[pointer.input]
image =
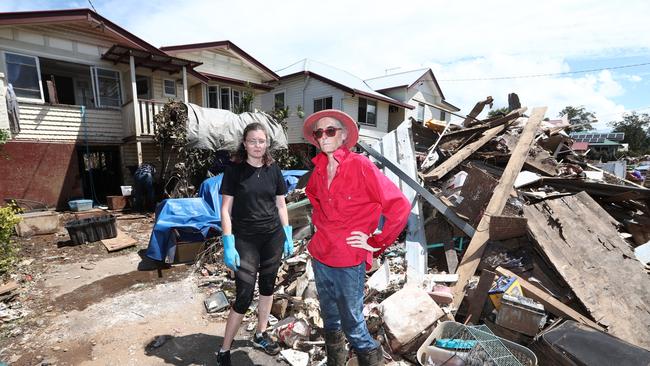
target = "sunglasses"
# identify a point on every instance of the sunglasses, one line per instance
(329, 131)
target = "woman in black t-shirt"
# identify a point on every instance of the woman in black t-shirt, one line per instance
(256, 233)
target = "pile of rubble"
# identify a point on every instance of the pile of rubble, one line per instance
(522, 253)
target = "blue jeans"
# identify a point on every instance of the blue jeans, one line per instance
(340, 291)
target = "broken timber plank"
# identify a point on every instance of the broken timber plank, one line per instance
(451, 257)
(581, 241)
(121, 241)
(8, 287)
(550, 303)
(464, 153)
(423, 192)
(480, 295)
(476, 247)
(498, 126)
(478, 108)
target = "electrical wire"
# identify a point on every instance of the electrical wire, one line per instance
(549, 74)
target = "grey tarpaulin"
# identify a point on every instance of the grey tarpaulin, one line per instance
(219, 129)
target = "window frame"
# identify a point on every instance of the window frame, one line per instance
(420, 111)
(95, 85)
(221, 89)
(38, 71)
(365, 117)
(323, 98)
(217, 94)
(164, 88)
(232, 97)
(284, 99)
(443, 115)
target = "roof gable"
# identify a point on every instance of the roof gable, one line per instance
(227, 46)
(338, 78)
(120, 34)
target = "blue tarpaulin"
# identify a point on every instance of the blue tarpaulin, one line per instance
(192, 216)
(209, 191)
(291, 178)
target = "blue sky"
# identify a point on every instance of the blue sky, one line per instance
(457, 39)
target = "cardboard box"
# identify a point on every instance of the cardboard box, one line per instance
(186, 252)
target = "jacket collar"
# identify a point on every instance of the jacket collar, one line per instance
(340, 155)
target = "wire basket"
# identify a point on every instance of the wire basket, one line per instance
(480, 347)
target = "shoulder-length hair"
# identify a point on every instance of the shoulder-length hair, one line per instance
(241, 155)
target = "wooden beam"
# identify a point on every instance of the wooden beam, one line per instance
(451, 257)
(464, 153)
(480, 295)
(551, 304)
(478, 108)
(476, 247)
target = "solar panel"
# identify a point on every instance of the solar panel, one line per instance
(598, 137)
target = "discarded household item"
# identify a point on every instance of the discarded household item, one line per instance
(521, 314)
(216, 302)
(642, 253)
(80, 205)
(219, 129)
(575, 344)
(504, 285)
(442, 294)
(189, 244)
(126, 190)
(91, 229)
(182, 214)
(37, 223)
(488, 350)
(292, 333)
(295, 358)
(407, 314)
(117, 203)
(120, 241)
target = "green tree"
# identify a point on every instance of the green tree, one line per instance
(580, 118)
(637, 131)
(498, 112)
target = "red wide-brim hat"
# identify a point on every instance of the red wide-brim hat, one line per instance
(347, 122)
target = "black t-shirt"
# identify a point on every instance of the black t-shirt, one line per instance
(254, 190)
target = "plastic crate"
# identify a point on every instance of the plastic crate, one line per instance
(91, 229)
(521, 356)
(80, 205)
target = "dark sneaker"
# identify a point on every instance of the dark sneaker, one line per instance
(267, 344)
(223, 358)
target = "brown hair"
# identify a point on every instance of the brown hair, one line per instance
(241, 155)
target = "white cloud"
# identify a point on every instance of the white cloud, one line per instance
(458, 39)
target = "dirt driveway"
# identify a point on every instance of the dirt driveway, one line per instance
(84, 306)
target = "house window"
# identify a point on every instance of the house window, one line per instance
(248, 97)
(236, 99)
(443, 115)
(278, 101)
(142, 85)
(225, 98)
(420, 112)
(213, 97)
(322, 103)
(107, 87)
(169, 88)
(367, 112)
(23, 74)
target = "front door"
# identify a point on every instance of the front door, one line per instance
(100, 171)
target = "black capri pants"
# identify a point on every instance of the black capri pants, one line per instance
(258, 254)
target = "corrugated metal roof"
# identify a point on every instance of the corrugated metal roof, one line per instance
(334, 74)
(580, 146)
(395, 80)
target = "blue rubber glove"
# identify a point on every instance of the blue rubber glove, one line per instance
(288, 241)
(230, 255)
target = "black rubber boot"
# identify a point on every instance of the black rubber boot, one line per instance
(335, 348)
(374, 357)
